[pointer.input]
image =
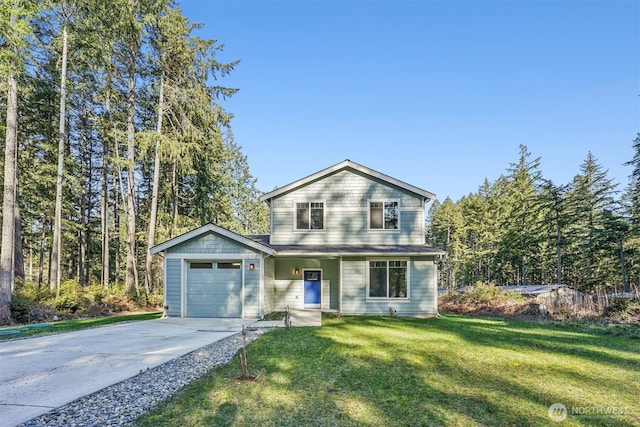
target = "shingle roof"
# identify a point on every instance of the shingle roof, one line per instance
(336, 250)
(214, 229)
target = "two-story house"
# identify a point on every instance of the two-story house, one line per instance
(346, 238)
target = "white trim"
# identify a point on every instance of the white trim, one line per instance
(242, 266)
(381, 299)
(216, 230)
(261, 281)
(340, 268)
(183, 288)
(344, 165)
(284, 254)
(302, 270)
(164, 285)
(212, 256)
(368, 279)
(338, 208)
(435, 286)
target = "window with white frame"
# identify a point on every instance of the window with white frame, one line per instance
(384, 215)
(388, 279)
(310, 216)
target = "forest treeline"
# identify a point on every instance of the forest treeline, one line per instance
(524, 229)
(115, 140)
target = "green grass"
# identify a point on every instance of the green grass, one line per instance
(383, 371)
(72, 325)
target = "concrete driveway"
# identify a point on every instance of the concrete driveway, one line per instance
(41, 373)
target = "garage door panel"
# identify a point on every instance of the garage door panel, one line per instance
(214, 292)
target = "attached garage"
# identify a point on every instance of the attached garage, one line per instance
(214, 289)
(213, 272)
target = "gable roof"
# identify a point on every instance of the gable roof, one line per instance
(217, 230)
(348, 164)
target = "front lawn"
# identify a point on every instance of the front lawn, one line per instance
(72, 325)
(454, 371)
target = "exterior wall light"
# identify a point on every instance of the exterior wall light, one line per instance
(252, 267)
(296, 271)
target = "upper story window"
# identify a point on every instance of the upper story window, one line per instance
(383, 215)
(310, 216)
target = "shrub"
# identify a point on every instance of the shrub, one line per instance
(25, 296)
(70, 298)
(31, 303)
(619, 306)
(482, 293)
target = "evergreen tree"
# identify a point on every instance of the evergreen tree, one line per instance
(522, 224)
(15, 30)
(591, 194)
(446, 230)
(555, 218)
(248, 214)
(632, 205)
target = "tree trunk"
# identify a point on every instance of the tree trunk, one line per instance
(104, 216)
(30, 262)
(116, 218)
(622, 269)
(131, 274)
(84, 255)
(8, 211)
(54, 277)
(41, 257)
(559, 248)
(18, 255)
(174, 196)
(82, 230)
(448, 276)
(154, 193)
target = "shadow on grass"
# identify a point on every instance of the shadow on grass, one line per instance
(459, 389)
(224, 416)
(618, 351)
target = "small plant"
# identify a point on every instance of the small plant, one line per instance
(242, 360)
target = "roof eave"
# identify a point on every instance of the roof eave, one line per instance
(343, 165)
(215, 229)
(356, 254)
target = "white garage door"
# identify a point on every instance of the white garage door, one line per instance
(214, 289)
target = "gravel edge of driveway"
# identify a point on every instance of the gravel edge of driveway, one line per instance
(122, 403)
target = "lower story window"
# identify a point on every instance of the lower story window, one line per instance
(388, 279)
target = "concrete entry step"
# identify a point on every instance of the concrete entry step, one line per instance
(306, 318)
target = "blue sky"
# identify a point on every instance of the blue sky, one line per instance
(436, 93)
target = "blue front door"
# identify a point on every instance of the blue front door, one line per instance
(312, 288)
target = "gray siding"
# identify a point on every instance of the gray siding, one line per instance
(288, 293)
(173, 286)
(346, 195)
(269, 285)
(210, 243)
(252, 289)
(421, 301)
